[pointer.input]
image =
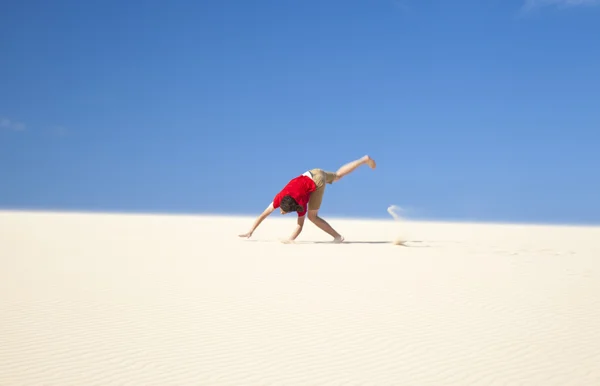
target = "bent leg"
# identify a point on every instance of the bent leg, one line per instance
(351, 166)
(321, 178)
(324, 225)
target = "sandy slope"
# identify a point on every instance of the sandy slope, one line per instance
(103, 299)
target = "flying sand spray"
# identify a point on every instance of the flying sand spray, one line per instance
(392, 211)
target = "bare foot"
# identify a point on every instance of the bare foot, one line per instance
(338, 240)
(370, 161)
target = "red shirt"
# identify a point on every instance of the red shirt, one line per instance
(300, 189)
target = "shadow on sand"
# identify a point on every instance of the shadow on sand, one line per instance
(345, 242)
(406, 245)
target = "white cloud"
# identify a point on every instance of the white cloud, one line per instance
(532, 4)
(6, 123)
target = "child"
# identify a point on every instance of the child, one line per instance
(304, 194)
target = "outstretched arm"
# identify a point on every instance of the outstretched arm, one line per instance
(297, 231)
(260, 219)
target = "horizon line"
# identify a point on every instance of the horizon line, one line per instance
(335, 217)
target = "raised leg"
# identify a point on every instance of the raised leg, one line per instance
(351, 166)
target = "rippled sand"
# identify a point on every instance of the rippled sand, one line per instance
(107, 299)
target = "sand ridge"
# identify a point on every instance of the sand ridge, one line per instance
(103, 299)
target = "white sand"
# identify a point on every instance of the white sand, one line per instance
(107, 299)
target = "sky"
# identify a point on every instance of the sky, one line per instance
(482, 110)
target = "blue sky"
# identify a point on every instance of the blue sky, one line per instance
(475, 110)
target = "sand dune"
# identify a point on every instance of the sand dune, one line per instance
(107, 299)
